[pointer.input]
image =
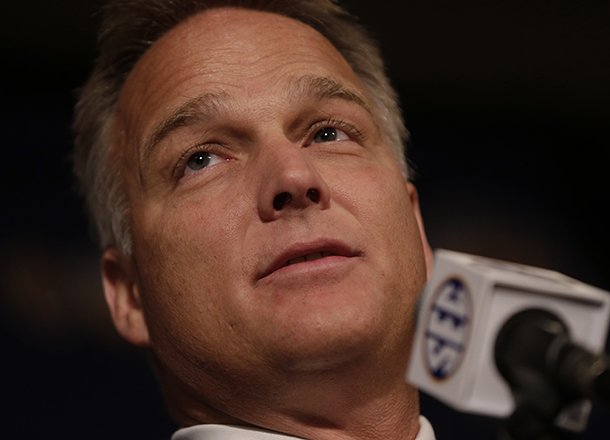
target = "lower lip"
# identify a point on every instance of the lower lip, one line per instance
(314, 269)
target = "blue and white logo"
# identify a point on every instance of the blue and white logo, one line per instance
(448, 328)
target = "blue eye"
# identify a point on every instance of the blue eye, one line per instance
(329, 134)
(200, 160)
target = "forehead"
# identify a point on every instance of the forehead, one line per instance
(238, 51)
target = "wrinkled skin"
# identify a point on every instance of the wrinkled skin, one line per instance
(221, 118)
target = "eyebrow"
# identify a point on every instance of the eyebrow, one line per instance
(210, 104)
(198, 108)
(322, 87)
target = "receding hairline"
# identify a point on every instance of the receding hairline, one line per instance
(209, 102)
(128, 30)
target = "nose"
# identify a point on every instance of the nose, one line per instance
(291, 183)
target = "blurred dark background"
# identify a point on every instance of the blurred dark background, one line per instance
(508, 103)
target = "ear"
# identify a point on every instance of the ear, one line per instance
(122, 294)
(422, 231)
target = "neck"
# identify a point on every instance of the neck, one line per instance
(353, 402)
(336, 408)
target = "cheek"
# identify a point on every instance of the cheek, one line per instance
(378, 197)
(380, 200)
(184, 257)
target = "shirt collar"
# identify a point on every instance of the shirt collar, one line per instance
(229, 432)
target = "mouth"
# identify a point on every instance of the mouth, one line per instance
(307, 253)
(308, 257)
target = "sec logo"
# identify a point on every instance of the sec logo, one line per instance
(447, 328)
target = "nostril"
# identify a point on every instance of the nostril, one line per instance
(313, 195)
(281, 200)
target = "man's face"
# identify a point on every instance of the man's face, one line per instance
(272, 228)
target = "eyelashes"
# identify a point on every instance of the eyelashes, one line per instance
(207, 154)
(198, 158)
(333, 130)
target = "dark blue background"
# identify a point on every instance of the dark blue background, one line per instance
(509, 106)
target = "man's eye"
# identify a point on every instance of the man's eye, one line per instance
(201, 160)
(329, 134)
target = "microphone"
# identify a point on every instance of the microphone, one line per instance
(511, 341)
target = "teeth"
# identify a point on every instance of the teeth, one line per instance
(310, 257)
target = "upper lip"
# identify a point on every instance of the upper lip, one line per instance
(332, 247)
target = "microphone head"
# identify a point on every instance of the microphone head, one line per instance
(465, 304)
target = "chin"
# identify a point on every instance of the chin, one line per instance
(331, 341)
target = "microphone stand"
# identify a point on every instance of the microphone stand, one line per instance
(549, 376)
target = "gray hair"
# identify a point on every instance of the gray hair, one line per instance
(130, 27)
